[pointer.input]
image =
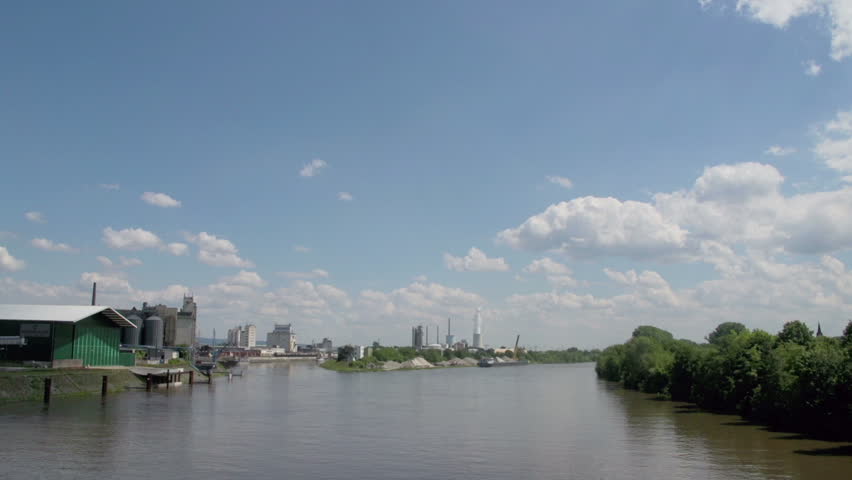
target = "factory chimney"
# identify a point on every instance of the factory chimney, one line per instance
(477, 329)
(94, 292)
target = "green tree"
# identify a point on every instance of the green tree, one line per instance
(723, 330)
(847, 334)
(796, 332)
(345, 353)
(653, 332)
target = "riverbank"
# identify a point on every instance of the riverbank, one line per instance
(417, 363)
(28, 385)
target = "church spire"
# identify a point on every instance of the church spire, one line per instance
(819, 330)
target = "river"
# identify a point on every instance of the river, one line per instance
(300, 421)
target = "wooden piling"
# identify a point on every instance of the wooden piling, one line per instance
(168, 378)
(104, 386)
(191, 377)
(149, 382)
(48, 382)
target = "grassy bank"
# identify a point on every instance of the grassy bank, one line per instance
(28, 385)
(332, 364)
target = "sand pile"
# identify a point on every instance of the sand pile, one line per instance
(417, 362)
(391, 365)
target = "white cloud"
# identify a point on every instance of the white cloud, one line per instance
(106, 282)
(345, 196)
(160, 200)
(130, 239)
(177, 248)
(591, 226)
(35, 217)
(313, 168)
(10, 263)
(835, 145)
(315, 273)
(110, 186)
(122, 262)
(548, 266)
(561, 181)
(780, 13)
(779, 151)
(812, 69)
(301, 249)
(51, 246)
(557, 273)
(218, 252)
(475, 261)
(251, 279)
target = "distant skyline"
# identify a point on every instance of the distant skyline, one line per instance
(357, 168)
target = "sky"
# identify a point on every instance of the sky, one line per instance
(576, 169)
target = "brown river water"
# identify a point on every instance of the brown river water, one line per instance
(299, 421)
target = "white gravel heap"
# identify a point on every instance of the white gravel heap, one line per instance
(417, 362)
(391, 365)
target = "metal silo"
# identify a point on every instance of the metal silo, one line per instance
(131, 336)
(154, 331)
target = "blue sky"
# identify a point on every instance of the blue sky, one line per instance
(706, 146)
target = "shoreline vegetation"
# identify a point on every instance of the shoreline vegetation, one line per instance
(791, 381)
(384, 359)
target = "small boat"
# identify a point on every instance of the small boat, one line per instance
(492, 362)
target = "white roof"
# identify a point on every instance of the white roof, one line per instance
(60, 313)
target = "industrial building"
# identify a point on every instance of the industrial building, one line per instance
(282, 336)
(168, 326)
(417, 337)
(63, 335)
(240, 336)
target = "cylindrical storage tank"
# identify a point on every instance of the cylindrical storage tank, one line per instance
(131, 336)
(154, 332)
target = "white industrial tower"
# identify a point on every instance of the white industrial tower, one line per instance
(477, 328)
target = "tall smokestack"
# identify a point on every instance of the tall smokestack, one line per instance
(449, 331)
(438, 334)
(477, 329)
(94, 292)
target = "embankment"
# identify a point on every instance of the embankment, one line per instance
(28, 385)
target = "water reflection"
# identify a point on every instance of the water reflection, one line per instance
(301, 421)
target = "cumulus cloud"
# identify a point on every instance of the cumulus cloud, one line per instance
(779, 13)
(122, 262)
(561, 181)
(475, 261)
(558, 274)
(10, 263)
(177, 248)
(50, 246)
(110, 186)
(218, 252)
(779, 151)
(591, 226)
(315, 273)
(35, 217)
(313, 168)
(160, 200)
(301, 249)
(345, 196)
(835, 145)
(130, 239)
(812, 69)
(106, 282)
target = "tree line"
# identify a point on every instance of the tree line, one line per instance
(792, 380)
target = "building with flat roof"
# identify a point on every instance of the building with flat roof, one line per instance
(243, 336)
(283, 336)
(65, 335)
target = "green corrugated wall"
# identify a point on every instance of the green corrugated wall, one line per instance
(127, 359)
(97, 346)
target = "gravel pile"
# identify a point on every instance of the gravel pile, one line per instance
(391, 365)
(417, 362)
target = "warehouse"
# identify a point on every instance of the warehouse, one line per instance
(63, 335)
